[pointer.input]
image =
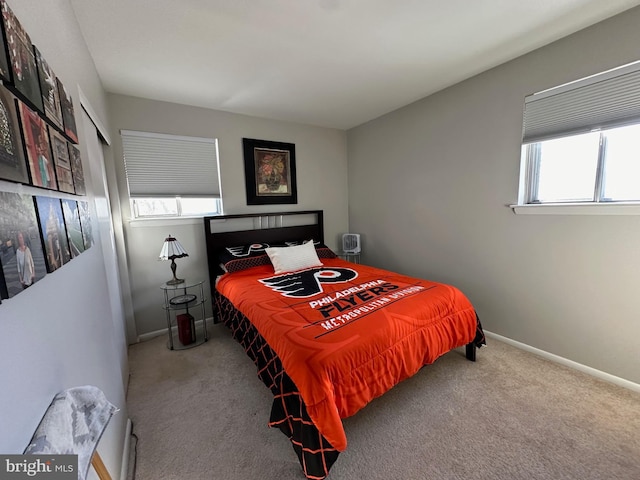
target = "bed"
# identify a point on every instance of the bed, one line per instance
(326, 335)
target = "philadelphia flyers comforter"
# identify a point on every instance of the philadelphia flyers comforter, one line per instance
(341, 334)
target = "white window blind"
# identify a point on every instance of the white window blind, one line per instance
(611, 98)
(170, 165)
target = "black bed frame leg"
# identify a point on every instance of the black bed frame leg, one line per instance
(471, 351)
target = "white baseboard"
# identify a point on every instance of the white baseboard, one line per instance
(126, 450)
(156, 333)
(148, 336)
(567, 363)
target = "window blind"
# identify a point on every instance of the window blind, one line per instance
(170, 165)
(608, 99)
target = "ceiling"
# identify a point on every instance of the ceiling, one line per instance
(331, 63)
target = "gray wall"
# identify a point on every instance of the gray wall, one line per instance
(321, 163)
(61, 332)
(428, 189)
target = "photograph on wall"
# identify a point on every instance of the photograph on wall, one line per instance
(68, 117)
(24, 71)
(3, 285)
(12, 162)
(52, 231)
(270, 172)
(37, 148)
(5, 67)
(72, 224)
(49, 90)
(61, 161)
(85, 223)
(76, 170)
(21, 254)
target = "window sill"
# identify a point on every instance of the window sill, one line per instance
(618, 208)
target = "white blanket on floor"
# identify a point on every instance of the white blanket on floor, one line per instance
(73, 424)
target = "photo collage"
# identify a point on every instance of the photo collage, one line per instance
(38, 148)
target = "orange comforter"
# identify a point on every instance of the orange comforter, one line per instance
(347, 333)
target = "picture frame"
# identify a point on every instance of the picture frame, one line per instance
(52, 232)
(4, 293)
(270, 172)
(22, 59)
(5, 66)
(21, 255)
(49, 90)
(61, 161)
(77, 170)
(72, 224)
(37, 147)
(68, 114)
(85, 223)
(13, 166)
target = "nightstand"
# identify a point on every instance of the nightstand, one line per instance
(180, 302)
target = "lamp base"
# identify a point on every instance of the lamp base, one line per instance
(175, 280)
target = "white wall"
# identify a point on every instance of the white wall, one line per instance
(429, 186)
(60, 333)
(321, 164)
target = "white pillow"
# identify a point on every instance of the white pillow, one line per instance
(290, 259)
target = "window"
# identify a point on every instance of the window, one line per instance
(581, 141)
(174, 206)
(170, 175)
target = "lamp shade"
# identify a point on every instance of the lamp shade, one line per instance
(172, 249)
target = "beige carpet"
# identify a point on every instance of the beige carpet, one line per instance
(202, 414)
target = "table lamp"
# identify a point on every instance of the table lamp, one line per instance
(170, 251)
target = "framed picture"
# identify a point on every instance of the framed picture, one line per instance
(37, 148)
(49, 90)
(61, 161)
(72, 224)
(5, 67)
(270, 172)
(12, 163)
(24, 71)
(68, 115)
(76, 170)
(85, 223)
(3, 286)
(21, 253)
(52, 232)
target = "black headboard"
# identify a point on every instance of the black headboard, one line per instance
(223, 231)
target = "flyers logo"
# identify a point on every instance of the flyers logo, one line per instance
(308, 283)
(246, 250)
(300, 242)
